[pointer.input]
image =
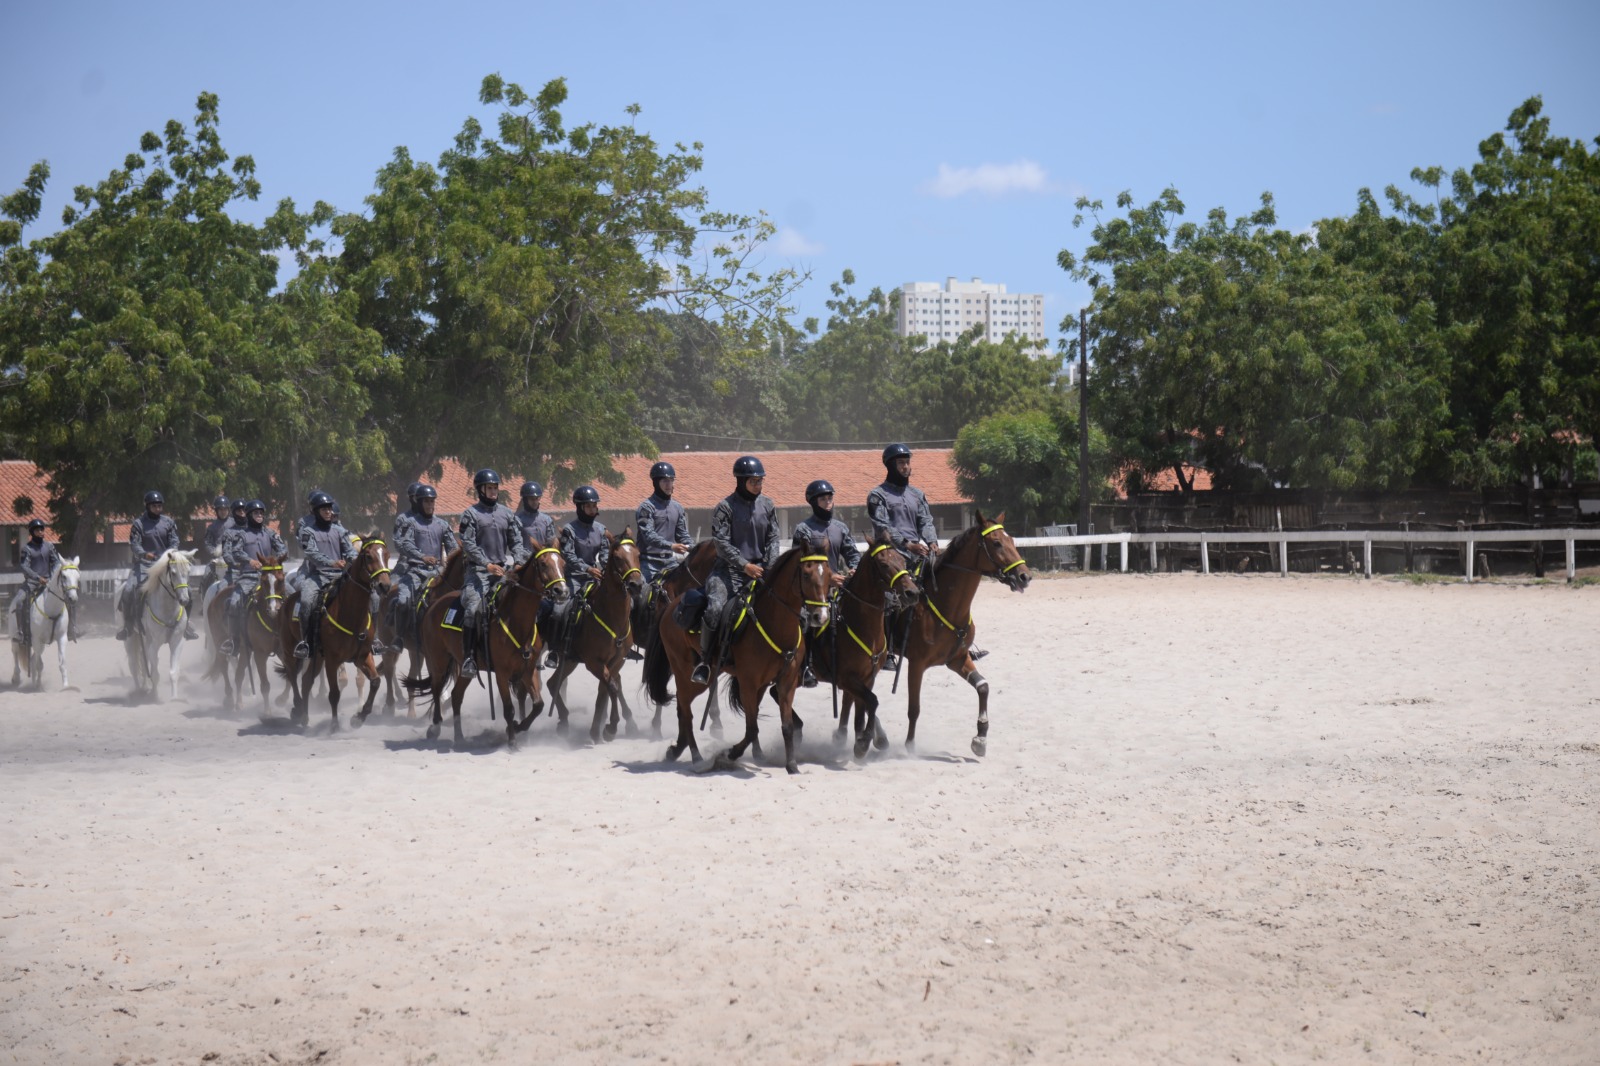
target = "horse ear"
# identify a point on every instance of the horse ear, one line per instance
(982, 521)
(1001, 518)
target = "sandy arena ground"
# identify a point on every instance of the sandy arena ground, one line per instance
(1221, 819)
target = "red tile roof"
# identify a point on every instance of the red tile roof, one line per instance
(24, 482)
(704, 478)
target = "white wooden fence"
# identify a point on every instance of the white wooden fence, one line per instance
(1367, 538)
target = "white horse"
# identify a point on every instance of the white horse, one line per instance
(162, 610)
(47, 618)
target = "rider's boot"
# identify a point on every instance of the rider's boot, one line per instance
(126, 603)
(808, 677)
(976, 652)
(469, 643)
(302, 650)
(708, 648)
(558, 647)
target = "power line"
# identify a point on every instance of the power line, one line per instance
(839, 444)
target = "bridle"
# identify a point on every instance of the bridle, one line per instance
(1003, 573)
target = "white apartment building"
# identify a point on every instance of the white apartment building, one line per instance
(943, 313)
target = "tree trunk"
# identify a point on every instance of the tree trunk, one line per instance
(83, 533)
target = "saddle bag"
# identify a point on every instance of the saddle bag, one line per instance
(690, 609)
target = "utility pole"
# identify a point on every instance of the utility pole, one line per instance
(1083, 428)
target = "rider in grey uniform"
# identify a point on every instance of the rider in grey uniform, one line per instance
(585, 552)
(821, 532)
(328, 549)
(39, 561)
(538, 528)
(301, 523)
(246, 550)
(150, 534)
(490, 535)
(900, 510)
(218, 529)
(663, 526)
(744, 527)
(422, 541)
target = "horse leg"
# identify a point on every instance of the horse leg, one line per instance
(752, 734)
(914, 671)
(330, 671)
(602, 700)
(685, 722)
(557, 680)
(61, 653)
(457, 694)
(370, 669)
(617, 696)
(792, 725)
(969, 673)
(533, 694)
(866, 722)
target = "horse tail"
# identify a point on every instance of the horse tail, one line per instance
(657, 669)
(418, 686)
(730, 689)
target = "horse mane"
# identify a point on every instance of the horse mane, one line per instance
(958, 542)
(158, 570)
(788, 557)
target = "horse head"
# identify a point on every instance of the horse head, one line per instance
(544, 573)
(179, 567)
(1000, 552)
(814, 579)
(886, 568)
(623, 563)
(270, 589)
(374, 558)
(67, 578)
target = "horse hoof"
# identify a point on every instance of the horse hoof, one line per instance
(792, 768)
(980, 746)
(861, 748)
(561, 726)
(879, 738)
(609, 732)
(673, 751)
(433, 732)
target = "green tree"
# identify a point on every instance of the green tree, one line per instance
(846, 384)
(511, 283)
(134, 340)
(708, 391)
(1025, 464)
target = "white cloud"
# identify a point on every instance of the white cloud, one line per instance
(792, 242)
(990, 179)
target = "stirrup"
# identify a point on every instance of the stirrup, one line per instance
(891, 662)
(469, 667)
(377, 646)
(189, 633)
(552, 659)
(702, 673)
(227, 647)
(976, 652)
(302, 650)
(808, 679)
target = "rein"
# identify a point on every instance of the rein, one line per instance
(799, 615)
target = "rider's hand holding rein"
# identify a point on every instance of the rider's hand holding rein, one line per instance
(754, 570)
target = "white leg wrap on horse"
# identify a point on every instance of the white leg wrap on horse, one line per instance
(976, 680)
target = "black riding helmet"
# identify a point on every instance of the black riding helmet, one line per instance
(239, 504)
(36, 525)
(817, 488)
(319, 500)
(154, 497)
(252, 507)
(748, 466)
(893, 452)
(585, 494)
(532, 490)
(425, 492)
(220, 503)
(661, 470)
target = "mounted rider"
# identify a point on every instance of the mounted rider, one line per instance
(148, 536)
(422, 541)
(662, 524)
(899, 510)
(307, 519)
(217, 530)
(328, 548)
(246, 550)
(585, 551)
(538, 528)
(490, 537)
(821, 532)
(39, 561)
(744, 528)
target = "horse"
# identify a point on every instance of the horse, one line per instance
(852, 644)
(660, 599)
(47, 621)
(788, 599)
(513, 609)
(405, 635)
(934, 634)
(260, 632)
(595, 641)
(162, 605)
(344, 634)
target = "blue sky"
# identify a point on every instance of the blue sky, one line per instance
(904, 141)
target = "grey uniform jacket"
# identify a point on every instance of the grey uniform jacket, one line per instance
(538, 528)
(38, 562)
(418, 536)
(583, 544)
(247, 545)
(662, 523)
(490, 534)
(745, 531)
(216, 534)
(832, 537)
(902, 510)
(153, 535)
(324, 546)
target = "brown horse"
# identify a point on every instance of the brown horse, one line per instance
(788, 599)
(511, 652)
(851, 646)
(940, 627)
(659, 603)
(344, 633)
(601, 628)
(405, 635)
(260, 632)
